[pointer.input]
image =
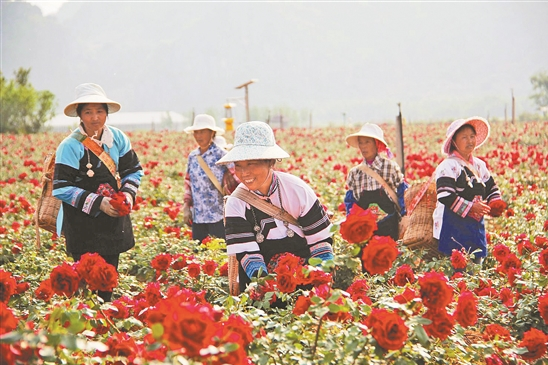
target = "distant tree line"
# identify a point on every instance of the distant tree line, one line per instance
(23, 108)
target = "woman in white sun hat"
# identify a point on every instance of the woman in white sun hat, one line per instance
(201, 195)
(93, 165)
(366, 190)
(257, 238)
(466, 190)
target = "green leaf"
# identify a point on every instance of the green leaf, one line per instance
(421, 335)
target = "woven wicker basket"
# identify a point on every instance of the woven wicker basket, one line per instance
(48, 206)
(418, 234)
(233, 285)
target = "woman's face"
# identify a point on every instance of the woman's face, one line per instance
(255, 174)
(368, 147)
(203, 137)
(94, 117)
(464, 141)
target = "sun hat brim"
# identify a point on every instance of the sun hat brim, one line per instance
(253, 152)
(113, 106)
(352, 139)
(480, 125)
(189, 130)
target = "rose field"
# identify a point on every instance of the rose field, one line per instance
(171, 302)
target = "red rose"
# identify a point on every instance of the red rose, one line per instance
(189, 327)
(8, 286)
(121, 344)
(103, 277)
(223, 270)
(535, 342)
(120, 203)
(237, 325)
(153, 293)
(404, 274)
(405, 297)
(179, 262)
(387, 328)
(86, 263)
(209, 267)
(161, 262)
(302, 305)
(358, 291)
(379, 254)
(64, 280)
(286, 283)
(44, 291)
(8, 322)
(497, 207)
(543, 258)
(359, 225)
(467, 309)
(442, 323)
(543, 307)
(193, 270)
(500, 252)
(434, 290)
(495, 331)
(458, 260)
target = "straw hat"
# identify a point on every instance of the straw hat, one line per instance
(480, 125)
(90, 93)
(253, 141)
(368, 130)
(204, 121)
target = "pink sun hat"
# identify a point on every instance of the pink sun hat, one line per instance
(480, 125)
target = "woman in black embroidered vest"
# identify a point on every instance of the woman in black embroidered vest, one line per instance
(466, 190)
(84, 182)
(256, 238)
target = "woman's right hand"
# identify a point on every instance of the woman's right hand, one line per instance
(107, 208)
(187, 215)
(479, 208)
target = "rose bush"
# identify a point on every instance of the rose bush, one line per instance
(171, 303)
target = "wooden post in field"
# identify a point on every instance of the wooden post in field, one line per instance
(399, 140)
(513, 108)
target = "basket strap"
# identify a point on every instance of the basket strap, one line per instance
(209, 174)
(269, 208)
(101, 153)
(417, 198)
(383, 182)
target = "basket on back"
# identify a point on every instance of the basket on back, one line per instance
(419, 233)
(48, 206)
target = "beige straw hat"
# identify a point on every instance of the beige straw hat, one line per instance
(90, 93)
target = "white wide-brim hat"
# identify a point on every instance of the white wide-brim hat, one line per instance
(253, 141)
(367, 130)
(204, 121)
(220, 141)
(91, 93)
(480, 125)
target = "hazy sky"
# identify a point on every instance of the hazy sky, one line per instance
(441, 60)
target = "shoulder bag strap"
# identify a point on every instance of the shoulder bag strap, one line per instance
(269, 208)
(101, 153)
(417, 198)
(384, 184)
(210, 174)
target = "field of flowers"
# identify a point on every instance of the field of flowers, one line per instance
(171, 304)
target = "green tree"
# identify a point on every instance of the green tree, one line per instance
(540, 86)
(23, 108)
